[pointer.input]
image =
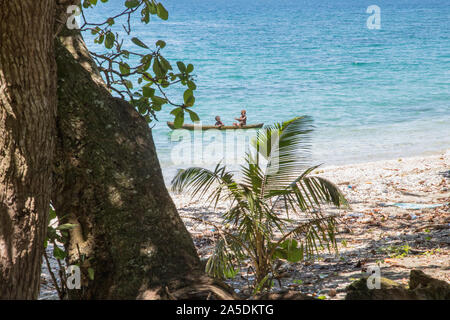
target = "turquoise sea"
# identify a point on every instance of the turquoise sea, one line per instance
(373, 94)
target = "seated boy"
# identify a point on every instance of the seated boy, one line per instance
(218, 122)
(242, 120)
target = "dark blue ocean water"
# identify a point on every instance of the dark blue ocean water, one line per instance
(373, 94)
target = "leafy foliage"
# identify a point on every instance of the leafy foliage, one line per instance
(275, 173)
(57, 235)
(153, 73)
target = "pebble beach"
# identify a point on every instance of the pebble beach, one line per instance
(399, 219)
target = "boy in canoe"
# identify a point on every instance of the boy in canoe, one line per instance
(218, 122)
(242, 120)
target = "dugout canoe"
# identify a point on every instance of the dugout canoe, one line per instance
(190, 126)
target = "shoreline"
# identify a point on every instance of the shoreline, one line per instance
(421, 155)
(169, 171)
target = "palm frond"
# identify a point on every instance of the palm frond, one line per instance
(308, 193)
(312, 235)
(326, 191)
(225, 259)
(252, 174)
(289, 153)
(199, 181)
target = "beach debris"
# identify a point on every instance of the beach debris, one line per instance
(416, 206)
(446, 174)
(356, 215)
(413, 216)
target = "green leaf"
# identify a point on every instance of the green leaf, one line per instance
(151, 7)
(187, 94)
(109, 40)
(190, 101)
(66, 226)
(147, 58)
(179, 120)
(158, 100)
(294, 255)
(51, 233)
(289, 243)
(95, 30)
(260, 285)
(142, 108)
(138, 42)
(157, 69)
(100, 39)
(191, 85)
(176, 111)
(128, 84)
(230, 272)
(86, 4)
(131, 3)
(148, 92)
(58, 253)
(161, 44)
(147, 77)
(162, 12)
(289, 251)
(193, 115)
(166, 64)
(189, 68)
(91, 273)
(181, 66)
(126, 54)
(124, 68)
(145, 15)
(51, 214)
(146, 61)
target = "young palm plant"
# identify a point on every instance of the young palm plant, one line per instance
(275, 178)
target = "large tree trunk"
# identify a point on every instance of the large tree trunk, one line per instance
(27, 117)
(108, 181)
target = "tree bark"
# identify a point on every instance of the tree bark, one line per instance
(27, 118)
(108, 181)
